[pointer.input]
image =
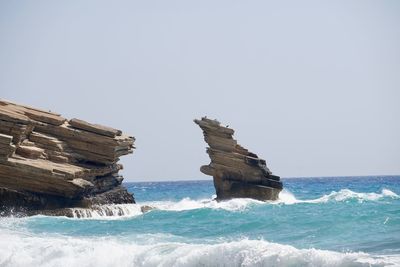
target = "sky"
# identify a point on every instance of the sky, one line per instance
(313, 87)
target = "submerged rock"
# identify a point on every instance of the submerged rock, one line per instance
(146, 208)
(50, 163)
(237, 172)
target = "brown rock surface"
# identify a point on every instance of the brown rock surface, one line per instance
(48, 162)
(237, 172)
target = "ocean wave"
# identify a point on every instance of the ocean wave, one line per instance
(238, 204)
(111, 211)
(31, 250)
(287, 197)
(122, 211)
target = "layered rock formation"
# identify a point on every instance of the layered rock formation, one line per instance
(48, 162)
(237, 172)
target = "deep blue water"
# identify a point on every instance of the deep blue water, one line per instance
(337, 221)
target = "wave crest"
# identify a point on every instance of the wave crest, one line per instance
(23, 250)
(237, 204)
(120, 211)
(110, 211)
(287, 197)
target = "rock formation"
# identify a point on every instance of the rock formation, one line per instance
(237, 172)
(49, 163)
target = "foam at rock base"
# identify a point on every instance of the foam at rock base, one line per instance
(107, 211)
(28, 250)
(286, 197)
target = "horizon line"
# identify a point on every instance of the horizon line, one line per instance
(292, 177)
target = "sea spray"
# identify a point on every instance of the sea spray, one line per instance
(287, 197)
(61, 251)
(107, 211)
(239, 204)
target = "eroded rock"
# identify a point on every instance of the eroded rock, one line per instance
(237, 172)
(48, 162)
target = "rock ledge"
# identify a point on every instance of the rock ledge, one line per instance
(48, 162)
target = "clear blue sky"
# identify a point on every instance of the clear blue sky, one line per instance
(311, 86)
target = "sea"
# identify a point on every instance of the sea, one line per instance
(330, 221)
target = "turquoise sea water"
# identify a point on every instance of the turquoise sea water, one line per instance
(346, 221)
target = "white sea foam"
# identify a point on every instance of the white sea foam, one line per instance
(287, 197)
(18, 249)
(237, 204)
(112, 211)
(121, 211)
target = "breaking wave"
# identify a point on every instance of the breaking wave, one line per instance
(120, 211)
(30, 250)
(107, 211)
(237, 204)
(287, 197)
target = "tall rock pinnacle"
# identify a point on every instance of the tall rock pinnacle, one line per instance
(237, 172)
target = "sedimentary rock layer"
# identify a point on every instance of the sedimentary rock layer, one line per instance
(49, 162)
(237, 172)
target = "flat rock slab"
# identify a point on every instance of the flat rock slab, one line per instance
(95, 128)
